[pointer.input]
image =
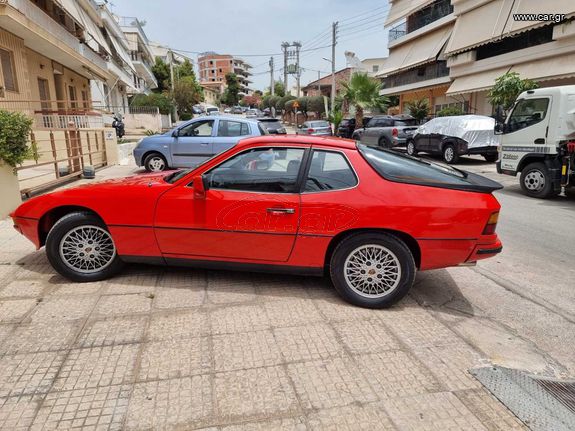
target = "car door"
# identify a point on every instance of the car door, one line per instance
(192, 143)
(367, 137)
(228, 134)
(250, 210)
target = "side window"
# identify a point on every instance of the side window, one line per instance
(263, 130)
(7, 68)
(329, 171)
(198, 129)
(271, 170)
(245, 129)
(527, 112)
(230, 128)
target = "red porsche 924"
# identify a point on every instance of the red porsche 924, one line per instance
(368, 217)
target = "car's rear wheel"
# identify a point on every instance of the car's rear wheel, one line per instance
(536, 181)
(372, 270)
(449, 154)
(384, 143)
(80, 247)
(491, 157)
(155, 162)
(411, 148)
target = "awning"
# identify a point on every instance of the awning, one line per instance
(93, 32)
(401, 8)
(416, 52)
(494, 19)
(546, 69)
(121, 52)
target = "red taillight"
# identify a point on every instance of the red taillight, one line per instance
(310, 131)
(491, 224)
(394, 132)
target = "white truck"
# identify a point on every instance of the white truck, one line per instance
(538, 141)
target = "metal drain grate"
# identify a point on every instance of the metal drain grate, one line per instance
(542, 404)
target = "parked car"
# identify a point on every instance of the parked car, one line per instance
(316, 210)
(194, 141)
(228, 111)
(197, 109)
(456, 136)
(254, 113)
(273, 125)
(315, 128)
(237, 110)
(212, 110)
(387, 131)
(347, 127)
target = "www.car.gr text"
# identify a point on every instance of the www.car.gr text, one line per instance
(551, 17)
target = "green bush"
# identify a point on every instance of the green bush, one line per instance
(316, 104)
(449, 111)
(186, 116)
(281, 103)
(15, 129)
(162, 101)
(150, 132)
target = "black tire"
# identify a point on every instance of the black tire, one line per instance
(410, 148)
(384, 143)
(389, 243)
(536, 181)
(491, 157)
(449, 154)
(58, 233)
(155, 162)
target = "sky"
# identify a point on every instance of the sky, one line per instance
(254, 29)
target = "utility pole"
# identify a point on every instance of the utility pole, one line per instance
(285, 46)
(272, 83)
(318, 83)
(297, 68)
(333, 43)
(171, 57)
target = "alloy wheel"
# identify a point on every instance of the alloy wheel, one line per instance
(448, 154)
(87, 249)
(157, 164)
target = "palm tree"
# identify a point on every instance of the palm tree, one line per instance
(362, 92)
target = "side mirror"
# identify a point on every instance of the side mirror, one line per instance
(199, 188)
(175, 133)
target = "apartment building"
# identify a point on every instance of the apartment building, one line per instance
(213, 69)
(477, 54)
(163, 52)
(141, 55)
(416, 67)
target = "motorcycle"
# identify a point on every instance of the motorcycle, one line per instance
(118, 124)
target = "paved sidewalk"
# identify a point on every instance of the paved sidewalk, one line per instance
(192, 349)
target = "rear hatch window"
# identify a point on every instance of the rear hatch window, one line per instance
(402, 168)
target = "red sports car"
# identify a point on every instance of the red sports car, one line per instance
(366, 216)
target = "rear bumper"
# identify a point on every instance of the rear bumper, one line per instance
(485, 249)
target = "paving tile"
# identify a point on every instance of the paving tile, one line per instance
(178, 325)
(97, 366)
(245, 350)
(23, 288)
(34, 266)
(254, 393)
(184, 403)
(329, 383)
(17, 413)
(438, 411)
(133, 280)
(179, 298)
(63, 308)
(177, 358)
(69, 288)
(111, 331)
(236, 319)
(492, 414)
(5, 331)
(366, 336)
(282, 286)
(123, 304)
(226, 288)
(396, 374)
(28, 374)
(365, 417)
(292, 312)
(284, 424)
(450, 365)
(184, 278)
(38, 337)
(102, 408)
(336, 310)
(417, 328)
(15, 310)
(304, 343)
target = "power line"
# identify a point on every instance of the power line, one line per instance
(370, 12)
(379, 16)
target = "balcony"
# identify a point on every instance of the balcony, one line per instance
(428, 15)
(143, 69)
(427, 72)
(45, 35)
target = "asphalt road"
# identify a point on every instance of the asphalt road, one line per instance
(519, 307)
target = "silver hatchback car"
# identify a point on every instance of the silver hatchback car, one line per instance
(193, 142)
(314, 128)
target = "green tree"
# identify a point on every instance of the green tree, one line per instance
(187, 93)
(184, 69)
(231, 94)
(335, 117)
(273, 101)
(506, 89)
(279, 89)
(281, 103)
(362, 92)
(162, 101)
(161, 71)
(316, 104)
(449, 111)
(419, 108)
(15, 130)
(303, 105)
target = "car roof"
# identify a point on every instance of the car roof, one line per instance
(223, 117)
(335, 143)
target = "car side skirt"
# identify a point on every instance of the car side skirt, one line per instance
(225, 265)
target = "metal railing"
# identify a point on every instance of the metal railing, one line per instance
(431, 13)
(114, 109)
(397, 31)
(438, 69)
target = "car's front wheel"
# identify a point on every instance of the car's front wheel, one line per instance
(411, 148)
(80, 247)
(155, 162)
(372, 270)
(536, 181)
(449, 154)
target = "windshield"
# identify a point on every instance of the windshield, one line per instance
(406, 122)
(319, 124)
(177, 175)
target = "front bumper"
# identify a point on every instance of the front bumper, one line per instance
(29, 228)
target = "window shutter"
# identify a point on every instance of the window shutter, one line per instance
(8, 70)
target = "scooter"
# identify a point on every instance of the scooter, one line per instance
(118, 124)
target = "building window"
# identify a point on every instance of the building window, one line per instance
(375, 68)
(7, 65)
(72, 93)
(523, 40)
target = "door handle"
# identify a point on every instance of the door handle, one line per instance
(279, 211)
(205, 143)
(539, 141)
